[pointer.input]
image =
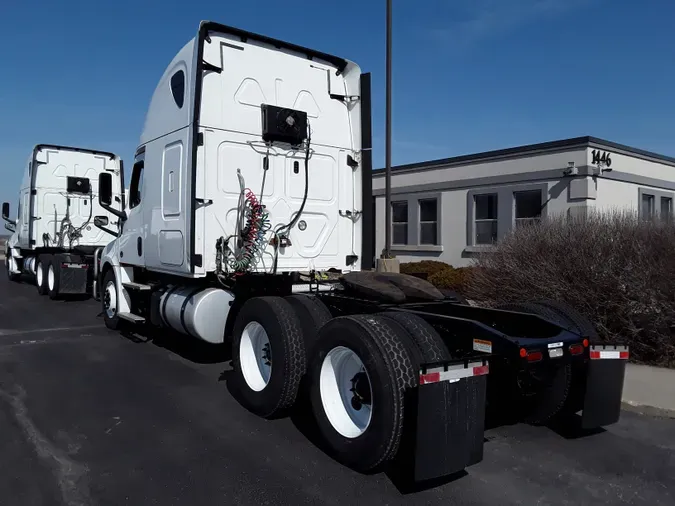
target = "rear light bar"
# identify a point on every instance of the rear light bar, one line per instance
(453, 373)
(609, 352)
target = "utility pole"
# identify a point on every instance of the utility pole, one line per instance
(387, 213)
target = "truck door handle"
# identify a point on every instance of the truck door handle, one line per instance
(139, 246)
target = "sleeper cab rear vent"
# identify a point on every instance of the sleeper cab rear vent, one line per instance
(283, 125)
(79, 185)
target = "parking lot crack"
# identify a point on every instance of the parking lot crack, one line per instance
(70, 475)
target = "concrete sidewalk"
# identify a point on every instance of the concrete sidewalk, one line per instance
(649, 390)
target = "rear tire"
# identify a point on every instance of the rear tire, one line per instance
(569, 317)
(41, 270)
(551, 387)
(268, 356)
(312, 314)
(54, 278)
(359, 361)
(429, 342)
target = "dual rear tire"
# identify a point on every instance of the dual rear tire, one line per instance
(48, 276)
(352, 372)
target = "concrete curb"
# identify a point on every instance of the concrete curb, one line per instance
(648, 410)
(649, 390)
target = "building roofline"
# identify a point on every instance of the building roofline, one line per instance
(540, 148)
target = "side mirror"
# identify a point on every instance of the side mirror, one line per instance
(10, 227)
(105, 189)
(105, 195)
(5, 211)
(101, 221)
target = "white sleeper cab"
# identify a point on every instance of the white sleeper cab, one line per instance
(59, 222)
(249, 170)
(250, 221)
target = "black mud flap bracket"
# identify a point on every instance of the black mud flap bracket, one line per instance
(449, 419)
(604, 385)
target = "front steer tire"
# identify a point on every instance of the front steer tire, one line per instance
(272, 393)
(380, 345)
(12, 276)
(110, 295)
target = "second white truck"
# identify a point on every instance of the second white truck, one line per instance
(59, 223)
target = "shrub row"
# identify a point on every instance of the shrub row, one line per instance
(616, 269)
(440, 274)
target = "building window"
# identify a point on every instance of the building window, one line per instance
(666, 208)
(485, 218)
(178, 88)
(647, 207)
(399, 222)
(655, 204)
(528, 207)
(428, 221)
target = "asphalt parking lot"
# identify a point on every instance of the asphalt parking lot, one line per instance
(91, 417)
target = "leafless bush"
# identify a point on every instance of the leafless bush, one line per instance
(617, 270)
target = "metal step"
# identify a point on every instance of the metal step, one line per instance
(131, 317)
(136, 286)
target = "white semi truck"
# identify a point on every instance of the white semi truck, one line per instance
(57, 229)
(249, 220)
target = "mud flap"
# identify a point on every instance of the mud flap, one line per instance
(74, 274)
(449, 419)
(604, 385)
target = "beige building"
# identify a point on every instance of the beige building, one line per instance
(452, 208)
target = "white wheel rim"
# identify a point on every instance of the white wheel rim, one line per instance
(110, 299)
(255, 356)
(348, 407)
(50, 277)
(39, 275)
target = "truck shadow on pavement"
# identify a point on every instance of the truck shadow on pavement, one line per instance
(569, 427)
(195, 351)
(399, 472)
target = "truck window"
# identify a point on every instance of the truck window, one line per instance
(136, 187)
(178, 88)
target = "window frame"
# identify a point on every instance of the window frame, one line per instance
(413, 237)
(394, 223)
(420, 222)
(137, 172)
(516, 220)
(506, 210)
(173, 87)
(484, 220)
(657, 196)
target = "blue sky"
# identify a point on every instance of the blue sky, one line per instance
(469, 75)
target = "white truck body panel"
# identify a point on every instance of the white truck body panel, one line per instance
(197, 134)
(44, 200)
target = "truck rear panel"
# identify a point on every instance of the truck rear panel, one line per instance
(60, 182)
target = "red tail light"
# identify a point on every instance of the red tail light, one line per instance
(576, 349)
(534, 356)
